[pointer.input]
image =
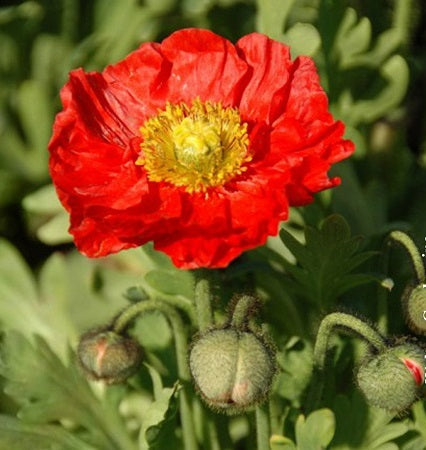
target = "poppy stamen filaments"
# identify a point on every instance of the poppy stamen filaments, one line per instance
(197, 147)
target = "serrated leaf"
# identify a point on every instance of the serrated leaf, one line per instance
(18, 435)
(395, 72)
(353, 37)
(158, 413)
(295, 361)
(47, 390)
(19, 307)
(325, 260)
(361, 426)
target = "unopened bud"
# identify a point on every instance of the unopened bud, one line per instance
(108, 356)
(232, 369)
(393, 379)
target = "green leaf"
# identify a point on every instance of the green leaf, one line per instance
(172, 282)
(118, 28)
(47, 390)
(295, 361)
(278, 442)
(395, 72)
(50, 60)
(19, 307)
(360, 426)
(316, 431)
(272, 16)
(46, 216)
(55, 231)
(353, 38)
(303, 39)
(17, 435)
(326, 261)
(159, 414)
(36, 114)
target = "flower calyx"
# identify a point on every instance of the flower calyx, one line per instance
(394, 378)
(233, 366)
(107, 356)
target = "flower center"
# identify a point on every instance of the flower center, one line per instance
(198, 147)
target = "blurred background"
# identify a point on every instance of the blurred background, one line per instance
(371, 56)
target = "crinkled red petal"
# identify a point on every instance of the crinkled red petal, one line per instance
(96, 140)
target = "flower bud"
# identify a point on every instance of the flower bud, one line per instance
(393, 379)
(414, 304)
(232, 369)
(108, 356)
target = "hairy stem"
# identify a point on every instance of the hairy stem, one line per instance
(180, 338)
(410, 247)
(263, 430)
(202, 296)
(327, 326)
(244, 308)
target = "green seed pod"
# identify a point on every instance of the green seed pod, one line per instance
(393, 379)
(108, 356)
(232, 368)
(414, 305)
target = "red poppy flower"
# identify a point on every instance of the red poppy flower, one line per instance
(196, 144)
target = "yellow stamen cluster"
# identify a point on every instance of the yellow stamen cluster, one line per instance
(198, 146)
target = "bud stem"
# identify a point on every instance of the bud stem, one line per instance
(327, 325)
(244, 308)
(179, 333)
(202, 297)
(410, 247)
(263, 430)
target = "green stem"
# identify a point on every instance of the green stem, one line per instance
(410, 247)
(202, 296)
(382, 292)
(327, 326)
(263, 430)
(212, 434)
(245, 307)
(402, 18)
(69, 18)
(178, 329)
(184, 305)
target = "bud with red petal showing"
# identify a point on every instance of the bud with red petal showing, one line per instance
(233, 366)
(108, 356)
(393, 379)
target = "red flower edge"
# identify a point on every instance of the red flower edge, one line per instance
(96, 141)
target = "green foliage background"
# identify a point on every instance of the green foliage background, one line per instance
(372, 62)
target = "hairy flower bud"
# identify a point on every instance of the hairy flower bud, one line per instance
(414, 304)
(232, 368)
(108, 356)
(393, 379)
